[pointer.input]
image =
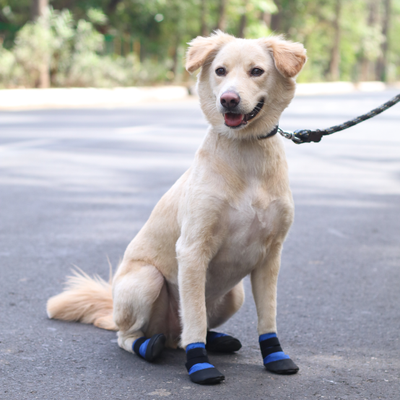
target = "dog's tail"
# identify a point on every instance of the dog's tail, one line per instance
(87, 300)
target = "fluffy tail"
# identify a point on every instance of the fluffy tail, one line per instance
(87, 300)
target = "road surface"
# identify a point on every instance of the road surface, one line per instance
(77, 185)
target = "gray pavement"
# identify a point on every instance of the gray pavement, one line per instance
(76, 186)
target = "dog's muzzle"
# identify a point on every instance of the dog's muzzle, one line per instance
(236, 120)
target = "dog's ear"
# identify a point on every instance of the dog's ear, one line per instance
(203, 49)
(289, 57)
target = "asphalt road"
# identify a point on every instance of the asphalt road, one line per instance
(77, 185)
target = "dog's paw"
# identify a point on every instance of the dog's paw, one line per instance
(198, 366)
(149, 349)
(222, 343)
(275, 360)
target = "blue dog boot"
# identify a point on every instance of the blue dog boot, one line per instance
(222, 343)
(199, 367)
(275, 360)
(149, 349)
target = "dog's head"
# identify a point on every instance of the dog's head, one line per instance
(244, 84)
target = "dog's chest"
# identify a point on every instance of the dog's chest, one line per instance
(248, 229)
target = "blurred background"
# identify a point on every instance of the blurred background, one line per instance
(81, 170)
(108, 43)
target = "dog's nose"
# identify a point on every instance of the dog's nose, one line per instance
(230, 100)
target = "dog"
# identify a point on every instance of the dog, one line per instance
(225, 218)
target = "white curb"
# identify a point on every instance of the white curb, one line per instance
(309, 89)
(87, 97)
(124, 97)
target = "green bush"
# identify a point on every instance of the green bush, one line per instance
(73, 51)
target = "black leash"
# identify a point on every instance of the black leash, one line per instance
(307, 135)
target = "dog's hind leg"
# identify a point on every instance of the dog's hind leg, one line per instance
(136, 288)
(219, 312)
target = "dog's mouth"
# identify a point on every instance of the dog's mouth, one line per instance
(234, 120)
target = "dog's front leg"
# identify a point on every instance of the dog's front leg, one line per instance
(193, 262)
(264, 281)
(192, 286)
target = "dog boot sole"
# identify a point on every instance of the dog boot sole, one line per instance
(210, 376)
(282, 367)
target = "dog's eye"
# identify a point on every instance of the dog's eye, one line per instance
(220, 71)
(256, 72)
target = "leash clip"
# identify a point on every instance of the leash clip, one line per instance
(290, 135)
(308, 136)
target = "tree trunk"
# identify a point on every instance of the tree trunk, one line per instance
(222, 15)
(175, 58)
(334, 73)
(367, 64)
(203, 12)
(112, 6)
(381, 70)
(276, 19)
(39, 8)
(243, 19)
(266, 18)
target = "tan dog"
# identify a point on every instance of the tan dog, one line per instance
(225, 218)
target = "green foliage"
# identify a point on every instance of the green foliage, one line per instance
(74, 51)
(146, 39)
(10, 71)
(394, 43)
(96, 16)
(312, 23)
(33, 44)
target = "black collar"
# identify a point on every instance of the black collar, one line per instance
(268, 135)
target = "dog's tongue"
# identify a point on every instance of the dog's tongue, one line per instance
(233, 119)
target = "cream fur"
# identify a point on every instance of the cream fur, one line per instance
(225, 218)
(88, 300)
